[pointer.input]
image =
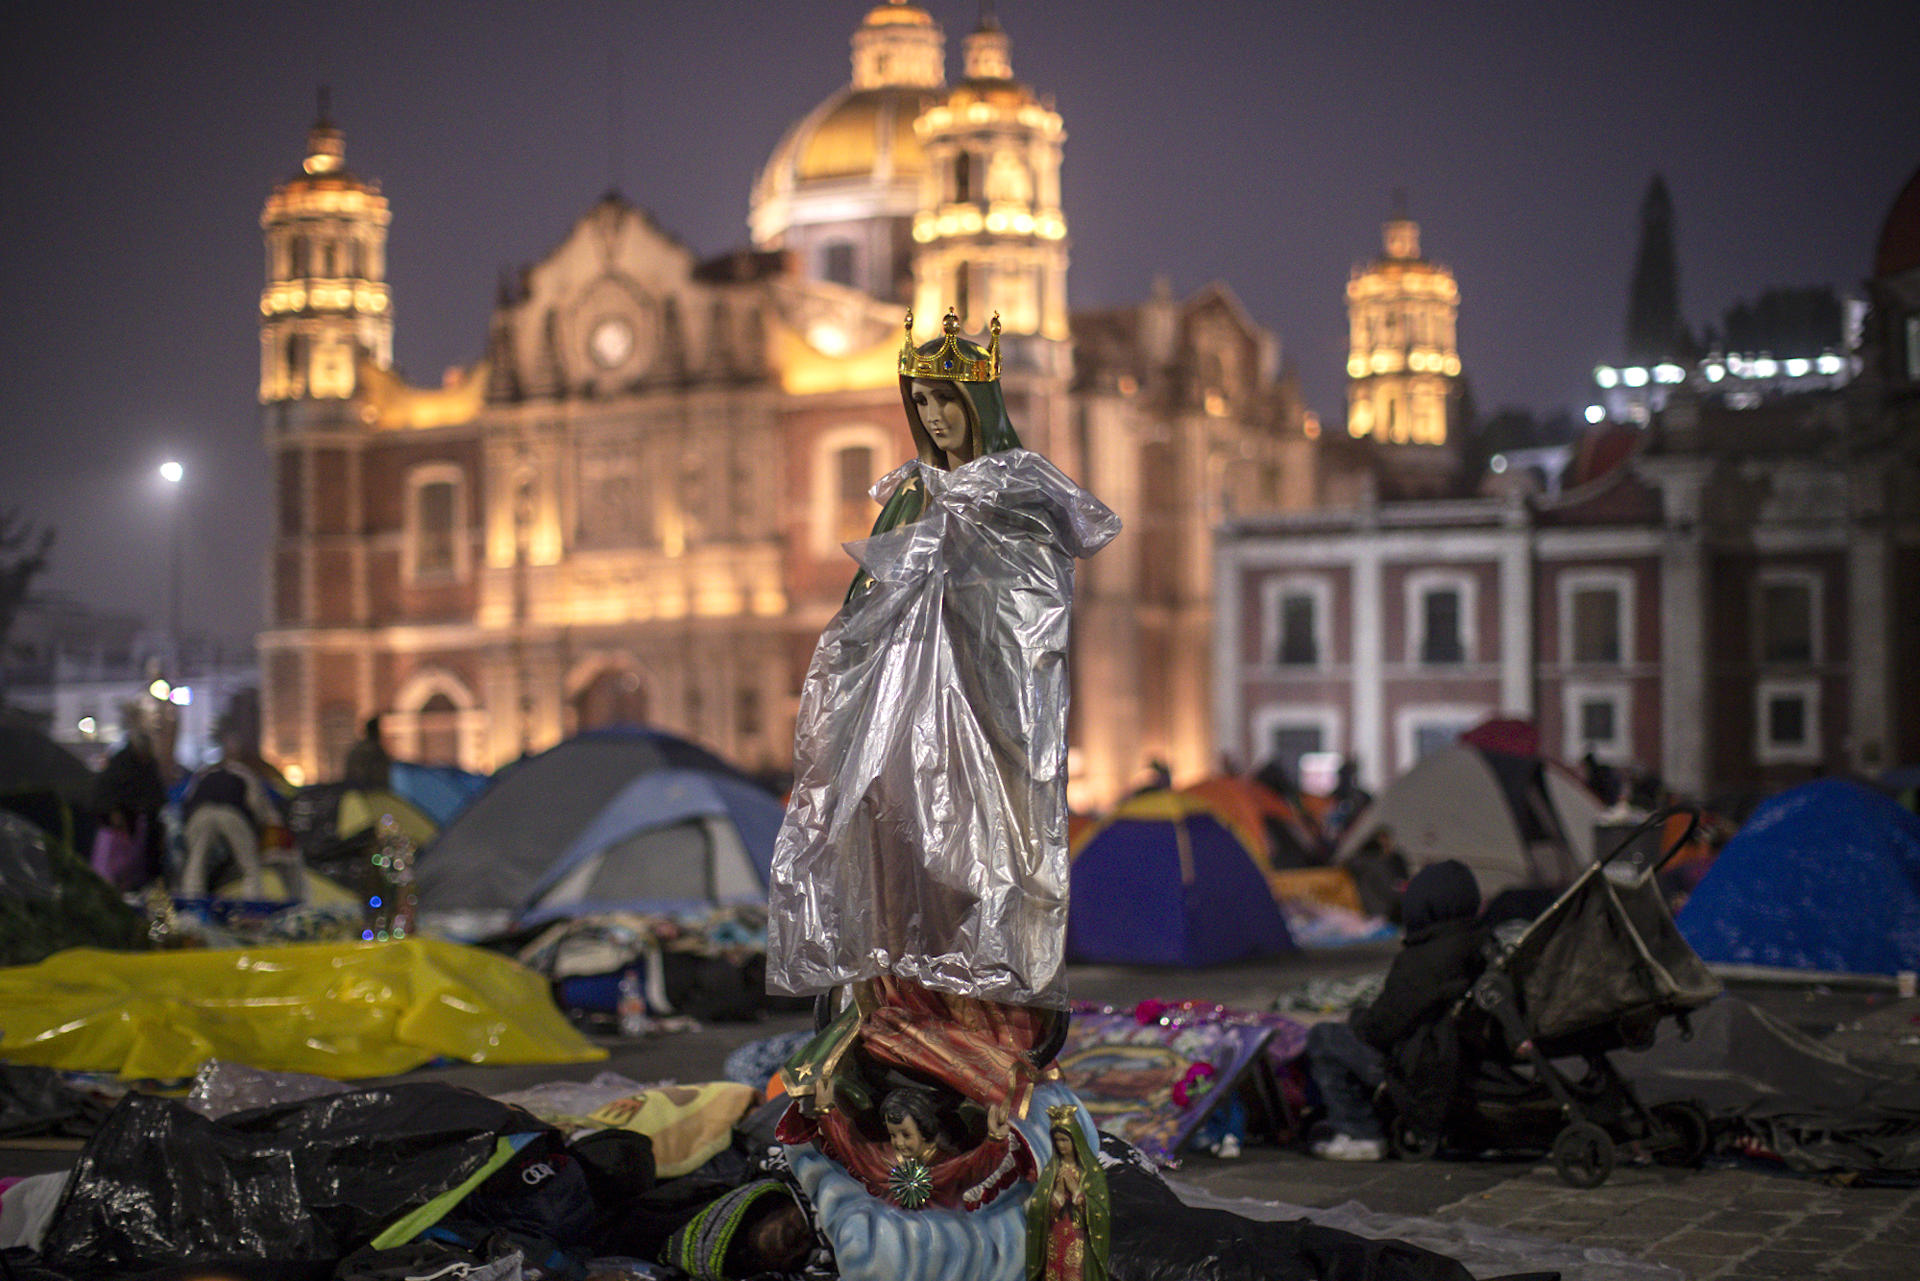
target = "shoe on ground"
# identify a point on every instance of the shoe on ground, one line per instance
(1344, 1147)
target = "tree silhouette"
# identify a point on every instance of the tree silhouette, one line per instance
(23, 557)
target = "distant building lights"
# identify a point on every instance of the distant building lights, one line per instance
(1606, 376)
(160, 689)
(1498, 464)
(180, 696)
(1596, 413)
(1634, 376)
(1668, 373)
(1798, 368)
(1765, 367)
(1716, 372)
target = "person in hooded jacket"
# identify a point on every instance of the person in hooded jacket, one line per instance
(1403, 1038)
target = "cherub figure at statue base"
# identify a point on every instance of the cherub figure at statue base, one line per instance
(875, 1237)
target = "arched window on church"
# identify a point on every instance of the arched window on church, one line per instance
(854, 511)
(434, 525)
(963, 177)
(616, 696)
(439, 731)
(297, 257)
(436, 522)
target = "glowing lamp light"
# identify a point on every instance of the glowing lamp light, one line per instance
(171, 472)
(1595, 413)
(1668, 373)
(1829, 364)
(1498, 464)
(295, 775)
(1765, 367)
(160, 689)
(1797, 368)
(87, 725)
(180, 696)
(1716, 372)
(1634, 376)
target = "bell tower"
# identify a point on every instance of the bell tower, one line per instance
(324, 309)
(990, 235)
(325, 300)
(1402, 362)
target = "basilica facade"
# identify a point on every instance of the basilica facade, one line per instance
(631, 508)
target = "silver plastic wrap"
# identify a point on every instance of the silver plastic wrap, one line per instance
(926, 836)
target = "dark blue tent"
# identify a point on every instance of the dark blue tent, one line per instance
(1166, 881)
(1823, 877)
(438, 791)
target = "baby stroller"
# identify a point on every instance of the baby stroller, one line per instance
(1597, 971)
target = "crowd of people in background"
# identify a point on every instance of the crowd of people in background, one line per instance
(187, 832)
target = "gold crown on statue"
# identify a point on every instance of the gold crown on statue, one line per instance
(950, 362)
(1062, 1114)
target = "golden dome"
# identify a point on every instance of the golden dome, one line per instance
(849, 139)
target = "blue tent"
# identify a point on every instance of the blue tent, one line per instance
(1823, 877)
(438, 791)
(1165, 881)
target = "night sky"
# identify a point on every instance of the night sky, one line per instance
(1254, 143)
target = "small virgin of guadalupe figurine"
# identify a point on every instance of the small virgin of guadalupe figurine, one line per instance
(1068, 1215)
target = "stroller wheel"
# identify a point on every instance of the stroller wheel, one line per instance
(1583, 1155)
(1411, 1143)
(1683, 1137)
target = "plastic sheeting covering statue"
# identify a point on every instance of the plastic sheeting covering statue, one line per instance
(926, 834)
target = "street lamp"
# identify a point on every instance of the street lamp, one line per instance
(173, 473)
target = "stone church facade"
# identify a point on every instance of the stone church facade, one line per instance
(631, 509)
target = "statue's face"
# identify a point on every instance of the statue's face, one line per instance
(908, 1141)
(943, 412)
(1063, 1145)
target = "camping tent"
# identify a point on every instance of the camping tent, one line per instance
(1269, 822)
(438, 791)
(1166, 881)
(613, 819)
(1823, 877)
(1515, 820)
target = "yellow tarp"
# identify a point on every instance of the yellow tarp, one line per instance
(344, 1010)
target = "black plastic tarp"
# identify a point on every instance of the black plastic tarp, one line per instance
(161, 1184)
(1817, 1109)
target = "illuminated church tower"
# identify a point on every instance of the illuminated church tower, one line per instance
(1402, 364)
(991, 234)
(325, 299)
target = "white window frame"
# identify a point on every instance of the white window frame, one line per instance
(1467, 587)
(826, 476)
(1409, 720)
(1574, 744)
(418, 478)
(1814, 582)
(1768, 752)
(1272, 591)
(1274, 716)
(1621, 583)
